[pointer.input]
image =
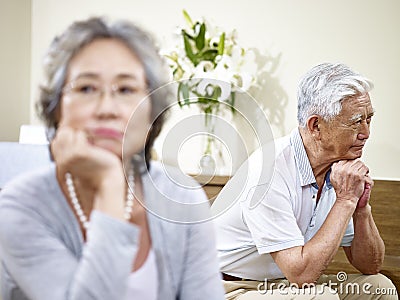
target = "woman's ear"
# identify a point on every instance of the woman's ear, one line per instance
(313, 123)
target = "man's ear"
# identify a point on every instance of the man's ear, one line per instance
(313, 123)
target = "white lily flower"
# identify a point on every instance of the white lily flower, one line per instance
(246, 81)
(236, 53)
(225, 61)
(236, 67)
(223, 74)
(203, 69)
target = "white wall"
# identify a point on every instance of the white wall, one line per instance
(363, 34)
(15, 35)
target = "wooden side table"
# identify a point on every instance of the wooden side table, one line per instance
(212, 185)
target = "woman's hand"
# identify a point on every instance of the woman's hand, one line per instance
(97, 169)
(93, 165)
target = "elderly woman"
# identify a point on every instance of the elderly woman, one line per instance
(79, 228)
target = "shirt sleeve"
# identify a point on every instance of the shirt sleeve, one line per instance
(268, 213)
(201, 278)
(45, 268)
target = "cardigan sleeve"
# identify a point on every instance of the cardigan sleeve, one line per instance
(201, 278)
(43, 267)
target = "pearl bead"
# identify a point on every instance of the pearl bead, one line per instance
(78, 208)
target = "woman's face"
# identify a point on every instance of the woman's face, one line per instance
(105, 84)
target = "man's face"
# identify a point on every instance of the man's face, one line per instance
(345, 136)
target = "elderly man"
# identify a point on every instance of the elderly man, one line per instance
(317, 201)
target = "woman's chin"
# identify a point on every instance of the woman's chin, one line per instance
(109, 145)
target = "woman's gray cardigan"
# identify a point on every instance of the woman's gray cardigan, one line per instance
(44, 256)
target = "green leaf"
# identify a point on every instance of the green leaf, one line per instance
(216, 93)
(187, 18)
(209, 54)
(188, 48)
(208, 109)
(185, 93)
(202, 100)
(191, 37)
(221, 44)
(200, 39)
(179, 94)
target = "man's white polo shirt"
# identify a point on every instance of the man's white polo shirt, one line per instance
(285, 217)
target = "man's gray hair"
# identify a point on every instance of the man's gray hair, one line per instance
(324, 87)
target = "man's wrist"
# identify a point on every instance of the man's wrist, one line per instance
(361, 212)
(346, 203)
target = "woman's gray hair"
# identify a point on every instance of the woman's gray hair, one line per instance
(324, 87)
(73, 40)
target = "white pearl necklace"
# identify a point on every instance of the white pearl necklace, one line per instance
(78, 208)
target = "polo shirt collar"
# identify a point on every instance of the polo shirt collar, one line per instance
(303, 164)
